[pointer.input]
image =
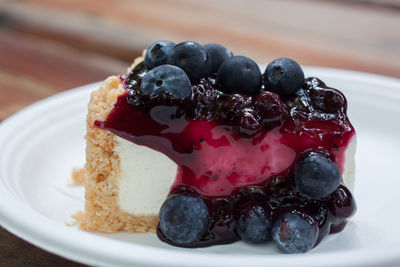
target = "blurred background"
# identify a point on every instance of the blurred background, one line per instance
(50, 46)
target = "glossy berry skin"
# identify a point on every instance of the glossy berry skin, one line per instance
(230, 106)
(328, 100)
(316, 175)
(295, 232)
(166, 78)
(158, 53)
(249, 122)
(271, 109)
(184, 219)
(218, 55)
(192, 58)
(240, 74)
(341, 203)
(254, 225)
(284, 77)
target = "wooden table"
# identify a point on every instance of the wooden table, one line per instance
(50, 46)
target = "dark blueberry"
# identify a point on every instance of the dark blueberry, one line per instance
(271, 109)
(229, 107)
(338, 227)
(222, 218)
(316, 176)
(252, 194)
(341, 203)
(249, 122)
(328, 100)
(158, 53)
(166, 78)
(313, 82)
(240, 74)
(132, 80)
(284, 77)
(132, 84)
(135, 98)
(295, 232)
(218, 54)
(184, 219)
(203, 98)
(192, 58)
(254, 224)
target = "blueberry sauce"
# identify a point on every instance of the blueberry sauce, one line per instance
(234, 149)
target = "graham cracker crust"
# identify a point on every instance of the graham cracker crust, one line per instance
(102, 212)
(79, 176)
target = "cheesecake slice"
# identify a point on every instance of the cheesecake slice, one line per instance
(225, 155)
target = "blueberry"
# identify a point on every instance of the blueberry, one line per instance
(158, 53)
(184, 219)
(228, 108)
(271, 109)
(341, 203)
(284, 77)
(316, 176)
(203, 98)
(295, 232)
(249, 122)
(192, 58)
(254, 224)
(328, 100)
(240, 74)
(166, 78)
(218, 54)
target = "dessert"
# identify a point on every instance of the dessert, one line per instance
(201, 147)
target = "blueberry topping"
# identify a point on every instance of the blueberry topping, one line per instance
(219, 202)
(240, 74)
(271, 109)
(249, 122)
(341, 203)
(218, 54)
(158, 53)
(192, 58)
(284, 77)
(295, 232)
(166, 78)
(184, 219)
(327, 100)
(316, 176)
(254, 225)
(204, 96)
(228, 108)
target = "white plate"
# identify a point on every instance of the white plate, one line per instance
(42, 143)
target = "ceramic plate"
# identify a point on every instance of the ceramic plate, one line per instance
(41, 144)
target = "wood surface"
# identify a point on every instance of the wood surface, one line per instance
(50, 46)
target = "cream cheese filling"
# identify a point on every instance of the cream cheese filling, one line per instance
(146, 176)
(350, 164)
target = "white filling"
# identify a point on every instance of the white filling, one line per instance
(350, 165)
(145, 179)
